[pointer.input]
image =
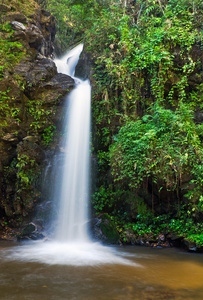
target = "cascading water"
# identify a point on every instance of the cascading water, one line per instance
(71, 244)
(74, 198)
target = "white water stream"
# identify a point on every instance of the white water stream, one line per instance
(74, 198)
(71, 244)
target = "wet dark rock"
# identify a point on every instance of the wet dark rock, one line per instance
(19, 17)
(105, 230)
(61, 82)
(38, 34)
(41, 78)
(28, 229)
(30, 232)
(35, 37)
(131, 238)
(18, 35)
(83, 68)
(47, 24)
(161, 237)
(174, 239)
(190, 246)
(35, 72)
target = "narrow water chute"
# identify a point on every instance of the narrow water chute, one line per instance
(74, 196)
(67, 63)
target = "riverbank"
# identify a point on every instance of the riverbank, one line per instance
(127, 238)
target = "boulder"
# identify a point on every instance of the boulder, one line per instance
(10, 138)
(105, 230)
(190, 246)
(19, 17)
(83, 68)
(47, 24)
(60, 82)
(18, 26)
(35, 37)
(35, 73)
(38, 33)
(30, 232)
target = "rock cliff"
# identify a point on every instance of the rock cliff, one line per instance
(31, 94)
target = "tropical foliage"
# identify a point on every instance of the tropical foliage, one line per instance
(147, 105)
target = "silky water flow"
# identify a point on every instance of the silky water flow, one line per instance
(71, 244)
(74, 197)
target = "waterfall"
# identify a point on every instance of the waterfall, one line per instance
(71, 244)
(74, 194)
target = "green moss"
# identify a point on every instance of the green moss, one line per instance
(10, 51)
(109, 230)
(27, 7)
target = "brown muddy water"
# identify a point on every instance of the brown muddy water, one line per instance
(149, 274)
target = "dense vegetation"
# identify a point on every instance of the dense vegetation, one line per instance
(26, 128)
(146, 57)
(147, 108)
